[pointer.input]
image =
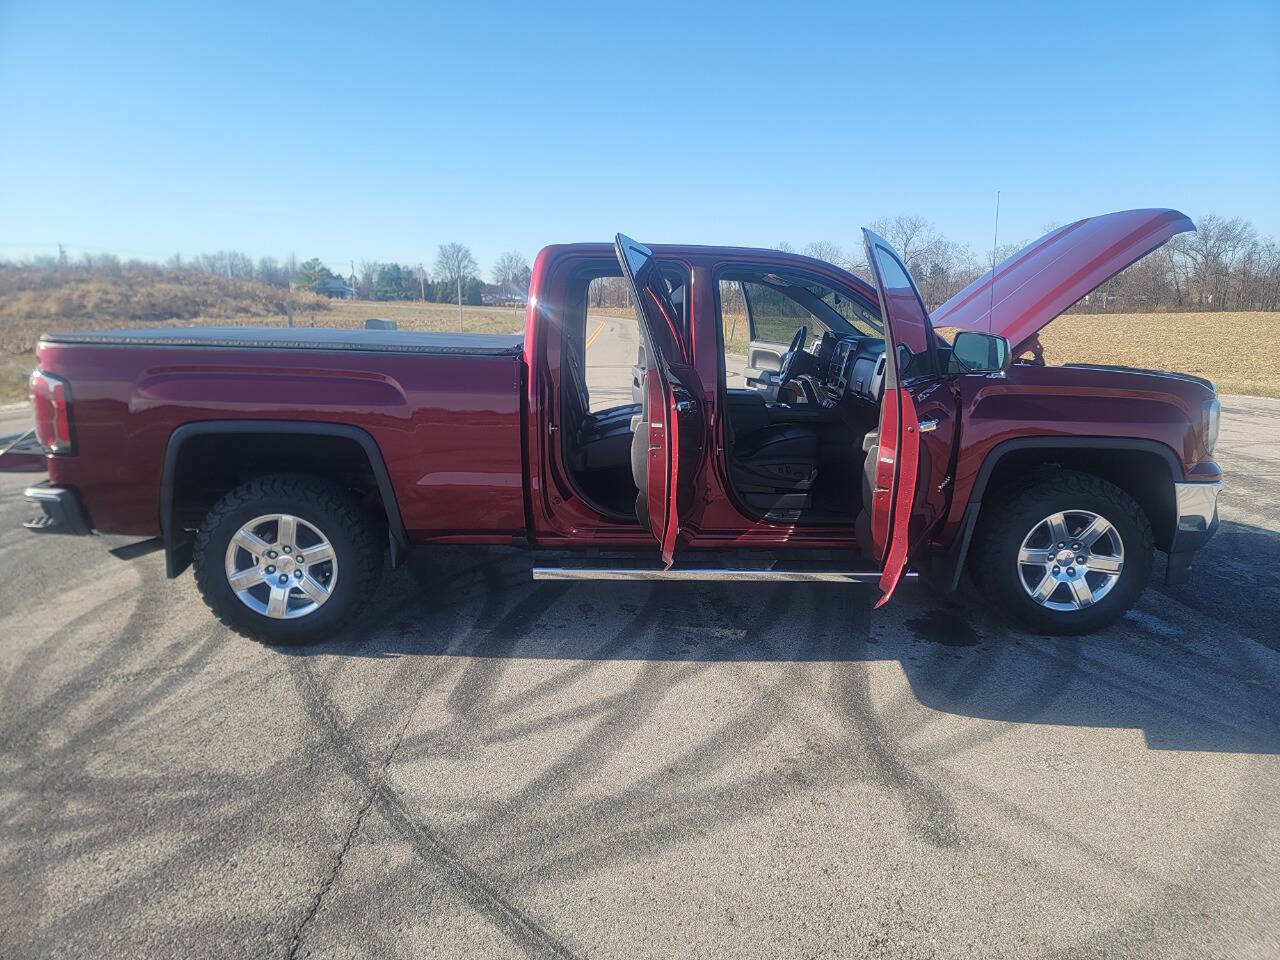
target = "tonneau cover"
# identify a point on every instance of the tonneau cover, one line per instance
(303, 338)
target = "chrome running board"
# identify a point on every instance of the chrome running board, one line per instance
(583, 571)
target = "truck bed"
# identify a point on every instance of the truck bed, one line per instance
(441, 410)
(303, 338)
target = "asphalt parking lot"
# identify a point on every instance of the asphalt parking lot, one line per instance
(492, 767)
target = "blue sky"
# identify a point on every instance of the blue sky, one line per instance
(345, 132)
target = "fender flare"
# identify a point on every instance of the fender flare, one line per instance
(945, 570)
(178, 546)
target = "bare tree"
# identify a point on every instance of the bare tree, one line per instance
(508, 268)
(826, 250)
(368, 276)
(455, 265)
(915, 238)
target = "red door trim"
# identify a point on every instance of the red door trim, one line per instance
(908, 457)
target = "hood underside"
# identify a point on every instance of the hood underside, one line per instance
(1039, 282)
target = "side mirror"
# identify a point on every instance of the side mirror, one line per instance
(976, 352)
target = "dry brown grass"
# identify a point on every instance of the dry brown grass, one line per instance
(1237, 351)
(33, 299)
(18, 336)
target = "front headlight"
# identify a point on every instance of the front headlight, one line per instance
(1211, 411)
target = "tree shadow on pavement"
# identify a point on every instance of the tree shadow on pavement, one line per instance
(1191, 669)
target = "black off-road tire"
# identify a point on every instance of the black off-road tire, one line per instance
(353, 534)
(1011, 514)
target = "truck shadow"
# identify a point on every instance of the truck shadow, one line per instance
(1193, 668)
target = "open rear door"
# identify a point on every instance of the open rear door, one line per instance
(669, 437)
(912, 389)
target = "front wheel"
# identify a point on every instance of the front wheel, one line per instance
(286, 559)
(1068, 554)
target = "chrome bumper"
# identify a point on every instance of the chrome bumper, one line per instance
(1196, 505)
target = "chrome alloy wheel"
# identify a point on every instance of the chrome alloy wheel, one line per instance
(1070, 560)
(281, 566)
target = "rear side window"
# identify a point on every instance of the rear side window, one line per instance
(601, 345)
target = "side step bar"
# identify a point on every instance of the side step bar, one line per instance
(692, 572)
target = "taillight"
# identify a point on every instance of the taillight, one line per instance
(51, 398)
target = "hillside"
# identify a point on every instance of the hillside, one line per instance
(37, 299)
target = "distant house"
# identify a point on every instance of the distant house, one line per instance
(336, 289)
(507, 296)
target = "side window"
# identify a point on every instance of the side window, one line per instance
(775, 317)
(911, 333)
(736, 327)
(610, 344)
(606, 343)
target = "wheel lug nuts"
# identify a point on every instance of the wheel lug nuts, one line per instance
(288, 549)
(271, 554)
(1062, 545)
(1071, 571)
(298, 574)
(270, 569)
(1057, 570)
(1075, 546)
(1080, 560)
(283, 578)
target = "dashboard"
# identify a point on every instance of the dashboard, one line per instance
(854, 366)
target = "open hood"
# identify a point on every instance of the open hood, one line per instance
(1039, 282)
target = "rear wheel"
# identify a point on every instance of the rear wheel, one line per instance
(1068, 554)
(286, 559)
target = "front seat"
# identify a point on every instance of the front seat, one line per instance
(774, 468)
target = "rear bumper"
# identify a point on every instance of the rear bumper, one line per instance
(1197, 521)
(61, 510)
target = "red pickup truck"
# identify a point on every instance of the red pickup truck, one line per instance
(765, 416)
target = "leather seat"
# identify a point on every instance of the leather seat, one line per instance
(601, 440)
(604, 438)
(775, 467)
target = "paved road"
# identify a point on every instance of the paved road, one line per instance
(612, 343)
(15, 418)
(493, 767)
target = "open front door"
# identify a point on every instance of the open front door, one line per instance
(910, 478)
(669, 437)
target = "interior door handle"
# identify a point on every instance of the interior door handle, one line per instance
(927, 425)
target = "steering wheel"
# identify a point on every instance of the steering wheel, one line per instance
(787, 368)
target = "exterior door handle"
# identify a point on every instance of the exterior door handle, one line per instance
(927, 425)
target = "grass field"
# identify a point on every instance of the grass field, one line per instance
(17, 337)
(1238, 351)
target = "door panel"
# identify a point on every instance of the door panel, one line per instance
(912, 481)
(674, 430)
(937, 415)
